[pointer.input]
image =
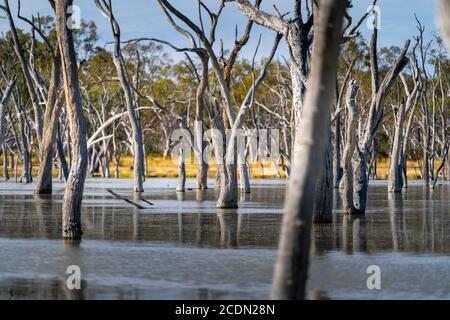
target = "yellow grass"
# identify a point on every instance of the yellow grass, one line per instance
(160, 167)
(167, 168)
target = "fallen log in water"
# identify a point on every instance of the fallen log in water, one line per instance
(117, 196)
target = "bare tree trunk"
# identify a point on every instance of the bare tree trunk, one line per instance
(202, 172)
(293, 255)
(379, 95)
(244, 179)
(181, 172)
(22, 142)
(4, 100)
(26, 72)
(5, 162)
(323, 212)
(119, 63)
(73, 195)
(61, 154)
(337, 167)
(395, 182)
(51, 117)
(349, 151)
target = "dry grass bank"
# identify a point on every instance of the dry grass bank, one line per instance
(167, 168)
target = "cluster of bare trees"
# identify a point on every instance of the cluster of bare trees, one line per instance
(291, 270)
(84, 112)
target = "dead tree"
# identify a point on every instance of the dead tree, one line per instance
(293, 256)
(32, 90)
(51, 117)
(105, 8)
(397, 167)
(4, 100)
(225, 117)
(73, 194)
(350, 146)
(380, 92)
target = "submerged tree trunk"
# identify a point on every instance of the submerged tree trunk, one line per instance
(73, 194)
(181, 172)
(323, 212)
(337, 167)
(291, 268)
(395, 181)
(349, 151)
(202, 172)
(51, 117)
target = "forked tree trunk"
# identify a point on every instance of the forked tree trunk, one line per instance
(73, 195)
(292, 263)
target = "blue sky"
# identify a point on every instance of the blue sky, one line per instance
(143, 18)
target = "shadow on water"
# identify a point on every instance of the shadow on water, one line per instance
(128, 253)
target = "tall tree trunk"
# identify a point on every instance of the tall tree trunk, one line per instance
(349, 151)
(337, 167)
(202, 171)
(395, 181)
(293, 255)
(51, 117)
(73, 195)
(138, 164)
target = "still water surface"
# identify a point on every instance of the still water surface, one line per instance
(185, 248)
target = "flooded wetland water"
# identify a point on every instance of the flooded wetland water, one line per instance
(182, 247)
